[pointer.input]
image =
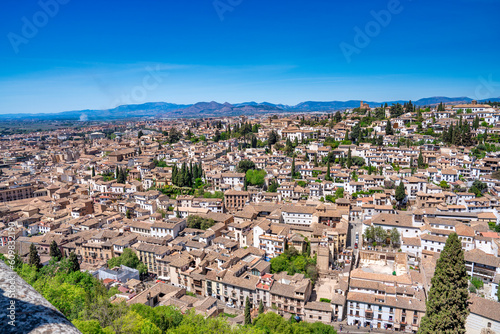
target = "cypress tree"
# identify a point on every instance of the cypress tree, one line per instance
(400, 192)
(475, 125)
(466, 135)
(446, 307)
(195, 171)
(349, 158)
(93, 171)
(261, 307)
(174, 175)
(498, 292)
(34, 257)
(451, 134)
(328, 177)
(248, 317)
(293, 167)
(388, 128)
(457, 135)
(420, 160)
(55, 252)
(74, 264)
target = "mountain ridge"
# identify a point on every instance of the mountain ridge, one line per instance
(213, 108)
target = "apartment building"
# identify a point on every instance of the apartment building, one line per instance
(379, 299)
(236, 200)
(13, 192)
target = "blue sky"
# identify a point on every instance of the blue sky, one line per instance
(99, 54)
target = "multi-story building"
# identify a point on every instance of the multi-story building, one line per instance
(236, 200)
(383, 295)
(13, 192)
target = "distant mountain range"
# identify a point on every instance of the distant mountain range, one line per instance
(211, 109)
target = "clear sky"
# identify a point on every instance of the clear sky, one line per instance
(99, 54)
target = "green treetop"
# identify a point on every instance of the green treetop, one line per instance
(446, 307)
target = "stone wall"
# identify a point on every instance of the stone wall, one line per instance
(22, 306)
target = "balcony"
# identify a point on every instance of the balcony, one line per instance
(369, 314)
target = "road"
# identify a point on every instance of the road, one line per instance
(353, 228)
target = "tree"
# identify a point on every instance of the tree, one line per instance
(478, 188)
(261, 307)
(217, 135)
(255, 177)
(248, 317)
(337, 117)
(245, 165)
(420, 161)
(369, 234)
(396, 110)
(349, 158)
(200, 222)
(34, 257)
(174, 135)
(400, 193)
(356, 133)
(140, 134)
(74, 264)
(55, 252)
(272, 138)
(395, 236)
(475, 124)
(380, 234)
(447, 303)
(498, 292)
(328, 177)
(128, 258)
(388, 128)
(128, 214)
(443, 184)
(409, 107)
(440, 107)
(93, 171)
(293, 167)
(466, 135)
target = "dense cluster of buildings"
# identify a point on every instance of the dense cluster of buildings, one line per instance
(62, 186)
